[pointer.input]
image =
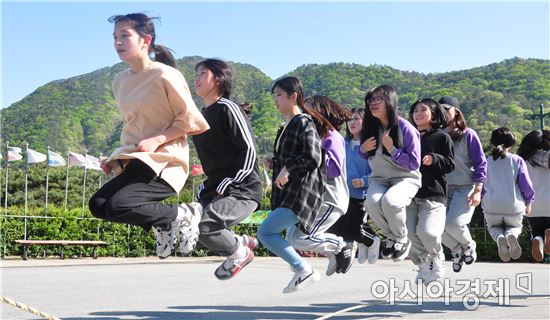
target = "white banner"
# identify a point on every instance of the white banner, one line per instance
(55, 159)
(14, 154)
(76, 159)
(35, 156)
(92, 163)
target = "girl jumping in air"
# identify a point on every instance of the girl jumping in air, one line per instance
(507, 194)
(153, 161)
(335, 201)
(426, 213)
(464, 185)
(298, 180)
(392, 146)
(535, 150)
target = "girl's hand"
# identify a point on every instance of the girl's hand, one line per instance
(268, 163)
(282, 178)
(475, 198)
(106, 168)
(357, 183)
(368, 145)
(148, 145)
(427, 160)
(528, 210)
(387, 141)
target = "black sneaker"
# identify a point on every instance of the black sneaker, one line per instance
(401, 250)
(345, 258)
(387, 252)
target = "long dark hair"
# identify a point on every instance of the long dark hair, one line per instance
(292, 85)
(371, 125)
(222, 72)
(459, 129)
(331, 110)
(501, 139)
(144, 25)
(360, 112)
(439, 116)
(532, 142)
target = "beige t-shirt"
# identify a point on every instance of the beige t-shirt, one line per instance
(151, 101)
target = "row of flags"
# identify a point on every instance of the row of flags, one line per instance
(55, 159)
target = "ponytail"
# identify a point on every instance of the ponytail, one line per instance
(498, 152)
(164, 55)
(144, 25)
(501, 138)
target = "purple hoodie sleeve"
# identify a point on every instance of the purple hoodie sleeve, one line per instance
(524, 181)
(408, 156)
(363, 155)
(334, 146)
(475, 151)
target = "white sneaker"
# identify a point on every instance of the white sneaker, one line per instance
(503, 250)
(234, 264)
(300, 280)
(331, 267)
(374, 251)
(537, 249)
(188, 233)
(166, 240)
(438, 268)
(188, 240)
(424, 269)
(362, 252)
(515, 248)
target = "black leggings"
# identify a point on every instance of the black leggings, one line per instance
(351, 227)
(133, 197)
(538, 226)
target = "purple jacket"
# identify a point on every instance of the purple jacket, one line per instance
(335, 150)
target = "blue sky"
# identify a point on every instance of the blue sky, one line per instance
(44, 41)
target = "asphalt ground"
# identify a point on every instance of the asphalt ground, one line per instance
(186, 288)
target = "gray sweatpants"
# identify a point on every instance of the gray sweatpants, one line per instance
(425, 225)
(386, 202)
(319, 240)
(217, 217)
(459, 215)
(502, 225)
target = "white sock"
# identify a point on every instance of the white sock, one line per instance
(240, 252)
(307, 270)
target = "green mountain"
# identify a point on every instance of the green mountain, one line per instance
(80, 113)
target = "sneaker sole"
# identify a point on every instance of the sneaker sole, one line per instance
(373, 258)
(547, 241)
(503, 251)
(537, 254)
(515, 249)
(236, 270)
(314, 277)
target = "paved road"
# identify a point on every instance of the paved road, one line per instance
(185, 288)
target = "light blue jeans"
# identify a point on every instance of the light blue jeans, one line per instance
(269, 234)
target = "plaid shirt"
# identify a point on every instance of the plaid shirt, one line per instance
(298, 147)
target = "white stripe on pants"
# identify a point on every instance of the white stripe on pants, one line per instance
(459, 215)
(386, 202)
(500, 224)
(319, 241)
(425, 225)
